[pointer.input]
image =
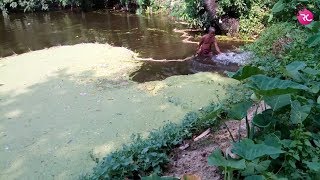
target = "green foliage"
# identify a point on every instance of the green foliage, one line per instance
(278, 101)
(239, 111)
(288, 141)
(33, 5)
(248, 150)
(216, 159)
(145, 156)
(254, 22)
(245, 72)
(268, 86)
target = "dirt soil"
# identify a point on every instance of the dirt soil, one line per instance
(193, 159)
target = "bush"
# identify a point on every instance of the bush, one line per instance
(253, 23)
(281, 44)
(148, 156)
(287, 143)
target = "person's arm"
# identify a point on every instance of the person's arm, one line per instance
(216, 46)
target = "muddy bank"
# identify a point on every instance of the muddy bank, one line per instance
(60, 107)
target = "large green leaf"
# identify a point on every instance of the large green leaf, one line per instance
(216, 159)
(279, 6)
(239, 111)
(255, 167)
(250, 151)
(277, 102)
(314, 166)
(264, 119)
(314, 26)
(274, 141)
(294, 68)
(311, 71)
(299, 113)
(245, 72)
(313, 40)
(268, 86)
(156, 177)
(318, 100)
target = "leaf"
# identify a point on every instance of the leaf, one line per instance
(294, 68)
(317, 143)
(263, 120)
(245, 72)
(270, 18)
(239, 111)
(272, 140)
(299, 113)
(268, 86)
(250, 151)
(311, 71)
(314, 26)
(318, 100)
(292, 164)
(315, 88)
(156, 177)
(216, 159)
(255, 177)
(214, 113)
(279, 6)
(249, 169)
(314, 166)
(262, 166)
(313, 40)
(277, 102)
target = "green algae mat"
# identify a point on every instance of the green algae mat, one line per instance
(62, 106)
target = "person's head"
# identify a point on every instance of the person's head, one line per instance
(211, 31)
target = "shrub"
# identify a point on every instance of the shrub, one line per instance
(144, 156)
(286, 144)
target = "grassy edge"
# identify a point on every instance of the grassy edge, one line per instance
(150, 155)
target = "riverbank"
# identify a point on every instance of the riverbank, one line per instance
(62, 106)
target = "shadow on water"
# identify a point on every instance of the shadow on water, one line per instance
(153, 70)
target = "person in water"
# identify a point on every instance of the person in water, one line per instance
(205, 45)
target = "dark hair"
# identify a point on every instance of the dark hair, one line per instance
(212, 30)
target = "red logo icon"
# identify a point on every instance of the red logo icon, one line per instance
(305, 17)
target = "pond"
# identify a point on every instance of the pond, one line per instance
(150, 36)
(63, 107)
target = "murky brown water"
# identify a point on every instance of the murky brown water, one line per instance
(153, 70)
(150, 36)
